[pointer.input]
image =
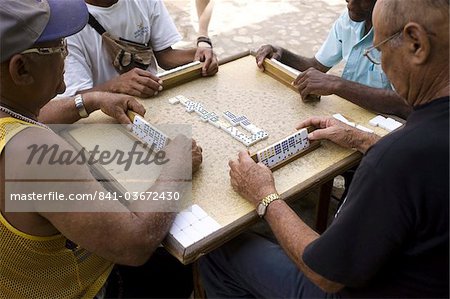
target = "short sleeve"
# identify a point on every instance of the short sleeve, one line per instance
(369, 228)
(164, 32)
(78, 74)
(330, 53)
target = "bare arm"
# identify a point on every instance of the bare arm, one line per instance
(375, 99)
(63, 111)
(204, 12)
(254, 182)
(331, 129)
(109, 229)
(170, 58)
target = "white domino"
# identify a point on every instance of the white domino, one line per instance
(149, 134)
(362, 128)
(388, 124)
(229, 127)
(174, 100)
(376, 120)
(192, 225)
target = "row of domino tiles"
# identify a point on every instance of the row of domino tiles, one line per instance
(191, 225)
(281, 150)
(229, 127)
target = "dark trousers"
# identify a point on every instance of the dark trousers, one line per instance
(251, 266)
(162, 276)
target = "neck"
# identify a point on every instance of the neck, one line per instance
(30, 113)
(368, 26)
(437, 88)
(102, 3)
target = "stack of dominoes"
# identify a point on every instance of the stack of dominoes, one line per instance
(192, 225)
(388, 124)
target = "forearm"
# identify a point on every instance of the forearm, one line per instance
(63, 111)
(170, 58)
(363, 141)
(294, 236)
(374, 99)
(301, 63)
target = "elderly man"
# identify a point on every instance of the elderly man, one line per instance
(47, 254)
(390, 237)
(147, 23)
(362, 81)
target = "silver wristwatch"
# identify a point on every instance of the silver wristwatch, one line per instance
(79, 104)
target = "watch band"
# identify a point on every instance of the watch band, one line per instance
(270, 198)
(204, 39)
(79, 104)
(261, 209)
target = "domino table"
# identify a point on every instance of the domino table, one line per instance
(217, 213)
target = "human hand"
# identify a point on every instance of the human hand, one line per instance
(209, 59)
(315, 82)
(115, 105)
(336, 131)
(137, 82)
(267, 51)
(251, 180)
(197, 156)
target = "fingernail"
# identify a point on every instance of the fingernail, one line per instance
(160, 81)
(310, 135)
(160, 88)
(156, 93)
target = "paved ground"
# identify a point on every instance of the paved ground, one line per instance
(239, 25)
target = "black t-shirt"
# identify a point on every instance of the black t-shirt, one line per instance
(391, 235)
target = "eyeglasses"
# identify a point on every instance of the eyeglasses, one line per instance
(62, 49)
(373, 54)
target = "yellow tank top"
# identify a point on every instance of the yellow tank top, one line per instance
(44, 267)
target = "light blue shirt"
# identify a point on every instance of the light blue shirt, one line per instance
(346, 41)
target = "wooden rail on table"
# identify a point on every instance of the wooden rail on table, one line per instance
(285, 76)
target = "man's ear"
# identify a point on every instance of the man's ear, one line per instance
(19, 70)
(418, 42)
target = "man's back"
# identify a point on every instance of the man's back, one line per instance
(392, 232)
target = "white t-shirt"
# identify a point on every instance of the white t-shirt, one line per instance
(143, 21)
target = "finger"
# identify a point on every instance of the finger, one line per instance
(233, 164)
(300, 78)
(146, 74)
(314, 121)
(149, 86)
(321, 134)
(206, 65)
(135, 106)
(121, 116)
(245, 157)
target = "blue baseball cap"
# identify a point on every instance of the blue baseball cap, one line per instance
(24, 23)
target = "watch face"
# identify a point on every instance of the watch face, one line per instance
(261, 209)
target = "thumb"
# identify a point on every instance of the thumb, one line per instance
(320, 134)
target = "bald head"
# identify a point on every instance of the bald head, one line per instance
(428, 13)
(416, 58)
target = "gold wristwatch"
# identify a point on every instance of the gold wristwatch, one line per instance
(265, 202)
